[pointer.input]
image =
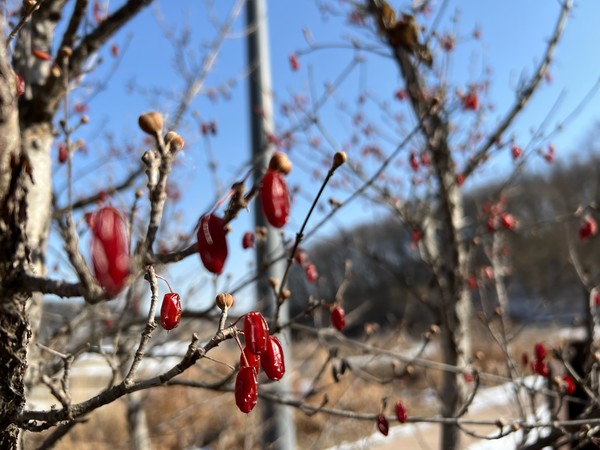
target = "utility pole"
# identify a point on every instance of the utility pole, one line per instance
(279, 425)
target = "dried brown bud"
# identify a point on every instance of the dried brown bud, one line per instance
(274, 282)
(480, 355)
(55, 71)
(280, 163)
(338, 159)
(285, 294)
(151, 123)
(224, 301)
(174, 141)
(85, 120)
(434, 329)
(28, 4)
(66, 51)
(139, 193)
(409, 369)
(334, 202)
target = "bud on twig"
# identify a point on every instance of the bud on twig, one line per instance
(338, 159)
(280, 163)
(224, 301)
(174, 141)
(151, 123)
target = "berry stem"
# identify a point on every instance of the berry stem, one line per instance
(165, 280)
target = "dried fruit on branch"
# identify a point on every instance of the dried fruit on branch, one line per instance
(338, 317)
(382, 424)
(170, 311)
(400, 412)
(256, 333)
(212, 243)
(110, 249)
(272, 361)
(246, 389)
(275, 199)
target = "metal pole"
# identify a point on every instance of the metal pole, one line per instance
(280, 429)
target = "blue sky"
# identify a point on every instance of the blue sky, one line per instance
(513, 36)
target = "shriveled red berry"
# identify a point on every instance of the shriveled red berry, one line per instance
(540, 367)
(588, 228)
(508, 221)
(275, 198)
(338, 317)
(20, 85)
(382, 424)
(311, 273)
(401, 412)
(246, 389)
(212, 243)
(539, 351)
(256, 332)
(248, 240)
(569, 384)
(63, 154)
(516, 151)
(294, 63)
(250, 359)
(272, 361)
(110, 249)
(170, 311)
(471, 101)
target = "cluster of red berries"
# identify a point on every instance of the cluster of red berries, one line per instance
(382, 422)
(275, 202)
(498, 217)
(260, 350)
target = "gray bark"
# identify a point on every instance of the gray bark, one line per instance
(14, 257)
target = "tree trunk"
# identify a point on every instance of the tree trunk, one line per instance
(14, 257)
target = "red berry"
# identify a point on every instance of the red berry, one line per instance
(114, 50)
(248, 240)
(508, 221)
(110, 249)
(212, 244)
(400, 94)
(401, 412)
(569, 384)
(596, 298)
(300, 256)
(63, 154)
(539, 351)
(39, 54)
(338, 317)
(20, 85)
(275, 199)
(311, 273)
(252, 359)
(256, 333)
(246, 389)
(516, 151)
(588, 228)
(272, 361)
(294, 63)
(414, 162)
(540, 367)
(170, 311)
(383, 425)
(415, 236)
(472, 282)
(471, 101)
(460, 179)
